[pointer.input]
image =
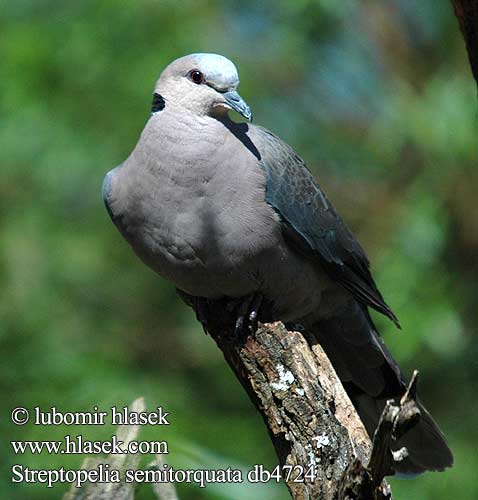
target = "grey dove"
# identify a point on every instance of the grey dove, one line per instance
(227, 211)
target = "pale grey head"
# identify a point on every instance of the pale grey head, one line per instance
(204, 84)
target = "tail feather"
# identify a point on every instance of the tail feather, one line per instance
(427, 447)
(371, 377)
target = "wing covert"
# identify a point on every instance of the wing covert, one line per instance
(312, 225)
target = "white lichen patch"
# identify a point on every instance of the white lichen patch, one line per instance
(312, 458)
(286, 379)
(321, 441)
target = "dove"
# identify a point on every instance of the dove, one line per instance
(229, 213)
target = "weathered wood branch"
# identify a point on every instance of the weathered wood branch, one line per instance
(361, 481)
(310, 418)
(105, 490)
(120, 490)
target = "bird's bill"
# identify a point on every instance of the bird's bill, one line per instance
(237, 103)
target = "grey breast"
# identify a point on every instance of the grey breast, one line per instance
(191, 202)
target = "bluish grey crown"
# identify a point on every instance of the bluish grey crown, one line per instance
(219, 71)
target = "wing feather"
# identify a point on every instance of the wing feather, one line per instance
(312, 225)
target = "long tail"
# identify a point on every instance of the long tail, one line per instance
(371, 376)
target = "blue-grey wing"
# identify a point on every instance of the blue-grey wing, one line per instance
(311, 224)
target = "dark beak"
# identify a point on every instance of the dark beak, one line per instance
(238, 104)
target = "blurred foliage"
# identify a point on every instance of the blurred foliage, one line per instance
(379, 100)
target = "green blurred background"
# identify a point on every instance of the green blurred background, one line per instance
(379, 100)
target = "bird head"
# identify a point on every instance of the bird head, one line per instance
(204, 84)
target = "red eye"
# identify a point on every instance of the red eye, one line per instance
(196, 76)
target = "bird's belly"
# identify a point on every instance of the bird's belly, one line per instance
(209, 268)
(191, 252)
(208, 264)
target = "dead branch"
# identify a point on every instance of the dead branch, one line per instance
(368, 482)
(310, 418)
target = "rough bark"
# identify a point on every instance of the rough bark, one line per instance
(310, 418)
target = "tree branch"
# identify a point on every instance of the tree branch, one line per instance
(309, 416)
(310, 419)
(466, 12)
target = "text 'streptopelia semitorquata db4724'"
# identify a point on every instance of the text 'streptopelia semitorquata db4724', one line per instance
(228, 210)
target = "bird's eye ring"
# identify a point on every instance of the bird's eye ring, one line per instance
(196, 76)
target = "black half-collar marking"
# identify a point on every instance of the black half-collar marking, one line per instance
(158, 103)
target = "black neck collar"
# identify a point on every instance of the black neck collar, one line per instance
(158, 103)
